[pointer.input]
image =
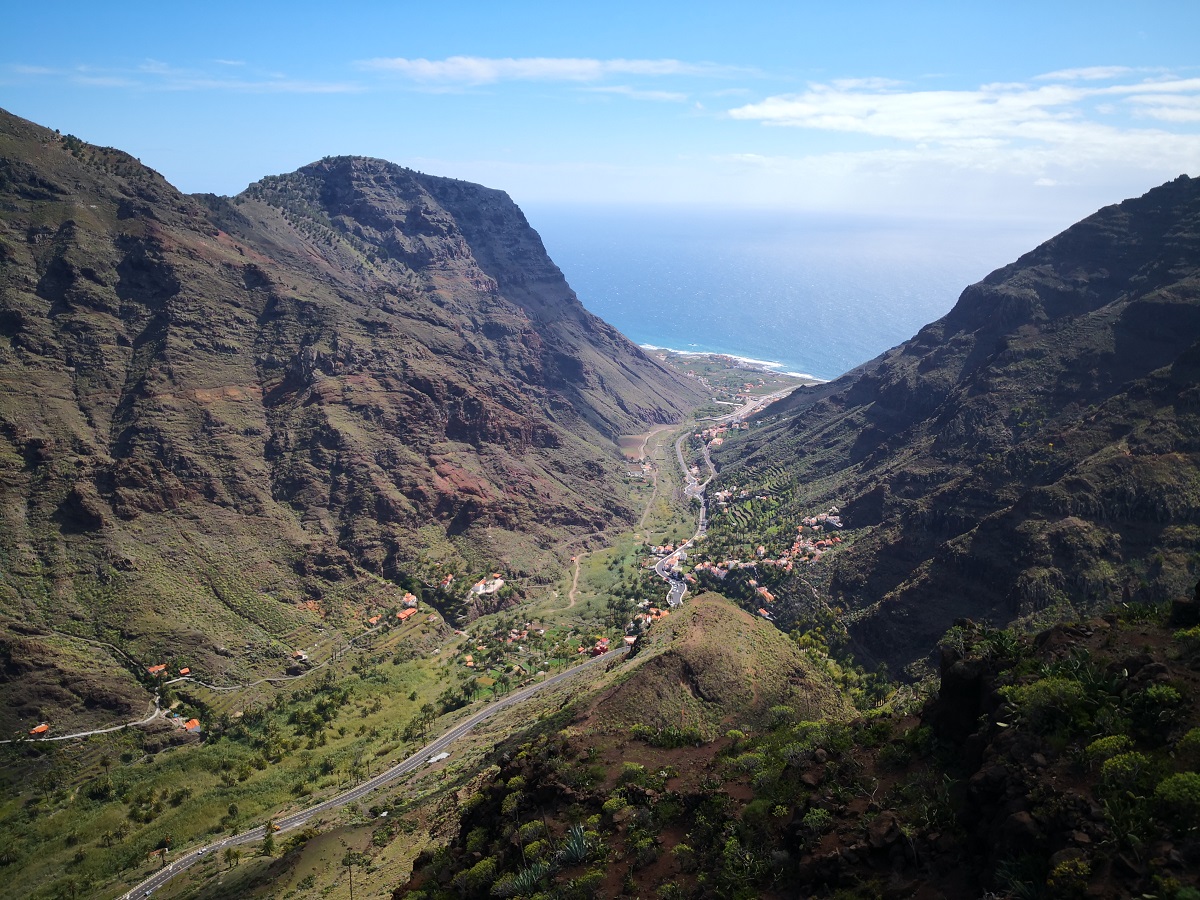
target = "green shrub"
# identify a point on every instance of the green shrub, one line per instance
(779, 716)
(1131, 772)
(511, 803)
(481, 875)
(632, 773)
(1104, 749)
(531, 831)
(1177, 800)
(1157, 707)
(586, 885)
(1050, 704)
(1189, 638)
(1187, 750)
(748, 762)
(817, 820)
(685, 857)
(614, 804)
(670, 737)
(477, 839)
(536, 849)
(1069, 878)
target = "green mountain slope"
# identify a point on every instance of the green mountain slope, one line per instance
(228, 422)
(1033, 453)
(1061, 765)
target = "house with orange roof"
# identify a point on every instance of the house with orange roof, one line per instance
(374, 620)
(405, 614)
(185, 671)
(409, 599)
(192, 725)
(39, 729)
(157, 670)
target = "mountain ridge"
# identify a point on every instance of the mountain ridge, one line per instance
(248, 416)
(1035, 449)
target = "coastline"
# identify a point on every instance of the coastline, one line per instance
(747, 362)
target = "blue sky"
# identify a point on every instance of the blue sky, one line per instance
(1014, 111)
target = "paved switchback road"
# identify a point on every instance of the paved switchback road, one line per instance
(295, 820)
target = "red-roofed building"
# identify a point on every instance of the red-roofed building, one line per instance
(39, 729)
(405, 614)
(157, 670)
(185, 671)
(192, 725)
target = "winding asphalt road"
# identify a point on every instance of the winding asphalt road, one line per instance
(303, 817)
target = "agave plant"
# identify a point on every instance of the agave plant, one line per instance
(523, 883)
(575, 847)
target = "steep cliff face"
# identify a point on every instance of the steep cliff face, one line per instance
(224, 414)
(1037, 449)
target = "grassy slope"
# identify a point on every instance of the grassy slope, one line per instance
(711, 666)
(1058, 766)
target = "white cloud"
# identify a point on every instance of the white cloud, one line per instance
(20, 69)
(1013, 127)
(1087, 73)
(637, 94)
(1167, 107)
(871, 84)
(155, 75)
(1026, 148)
(475, 70)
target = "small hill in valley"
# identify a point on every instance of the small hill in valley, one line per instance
(711, 666)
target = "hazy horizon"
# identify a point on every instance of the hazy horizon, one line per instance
(817, 294)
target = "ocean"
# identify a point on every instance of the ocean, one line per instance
(816, 295)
